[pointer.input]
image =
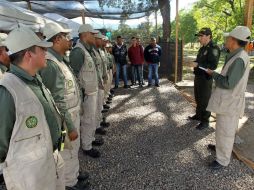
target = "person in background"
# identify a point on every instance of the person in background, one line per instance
(152, 56)
(4, 57)
(208, 57)
(136, 57)
(228, 98)
(140, 45)
(119, 51)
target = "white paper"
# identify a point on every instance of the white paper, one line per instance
(203, 68)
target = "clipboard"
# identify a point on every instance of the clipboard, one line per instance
(204, 69)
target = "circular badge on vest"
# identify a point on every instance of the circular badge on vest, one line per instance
(70, 83)
(90, 65)
(31, 122)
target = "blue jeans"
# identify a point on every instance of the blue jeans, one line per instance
(120, 67)
(153, 69)
(137, 74)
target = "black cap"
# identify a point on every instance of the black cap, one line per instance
(119, 37)
(204, 31)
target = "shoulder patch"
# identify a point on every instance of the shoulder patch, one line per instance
(31, 122)
(215, 52)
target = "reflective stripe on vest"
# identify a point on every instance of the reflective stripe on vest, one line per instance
(71, 96)
(88, 75)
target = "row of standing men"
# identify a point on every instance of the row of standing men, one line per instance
(51, 105)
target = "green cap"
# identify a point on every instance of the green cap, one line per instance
(22, 38)
(3, 36)
(51, 29)
(87, 28)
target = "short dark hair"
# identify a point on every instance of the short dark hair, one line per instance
(241, 43)
(52, 39)
(119, 37)
(133, 38)
(153, 39)
(17, 58)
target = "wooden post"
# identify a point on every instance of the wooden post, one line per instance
(248, 13)
(83, 16)
(156, 24)
(176, 46)
(29, 6)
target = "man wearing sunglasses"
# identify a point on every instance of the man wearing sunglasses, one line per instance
(58, 78)
(4, 57)
(208, 58)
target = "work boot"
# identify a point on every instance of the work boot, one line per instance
(194, 117)
(215, 165)
(127, 86)
(100, 131)
(157, 85)
(109, 102)
(105, 124)
(106, 106)
(83, 176)
(104, 111)
(110, 97)
(211, 147)
(81, 185)
(112, 91)
(140, 85)
(202, 125)
(98, 142)
(94, 153)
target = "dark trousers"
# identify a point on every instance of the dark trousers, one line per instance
(202, 91)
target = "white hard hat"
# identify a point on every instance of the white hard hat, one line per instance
(51, 29)
(87, 28)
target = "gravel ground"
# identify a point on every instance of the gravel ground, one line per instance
(151, 146)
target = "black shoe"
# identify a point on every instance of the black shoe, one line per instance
(112, 91)
(105, 124)
(94, 153)
(157, 85)
(149, 85)
(194, 117)
(1, 179)
(202, 125)
(211, 147)
(81, 185)
(106, 106)
(110, 98)
(100, 131)
(104, 111)
(116, 87)
(98, 142)
(127, 86)
(215, 165)
(108, 102)
(83, 176)
(140, 86)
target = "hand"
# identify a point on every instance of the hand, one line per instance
(209, 71)
(194, 64)
(73, 135)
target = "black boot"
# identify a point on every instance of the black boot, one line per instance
(100, 131)
(94, 153)
(202, 125)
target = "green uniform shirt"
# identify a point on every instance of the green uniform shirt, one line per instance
(234, 74)
(3, 68)
(208, 57)
(53, 79)
(8, 112)
(77, 58)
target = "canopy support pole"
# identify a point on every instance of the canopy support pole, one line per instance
(83, 16)
(176, 45)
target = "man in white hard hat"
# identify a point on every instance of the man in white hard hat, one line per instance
(82, 61)
(4, 57)
(58, 78)
(30, 122)
(228, 100)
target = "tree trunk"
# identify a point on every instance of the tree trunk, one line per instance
(164, 6)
